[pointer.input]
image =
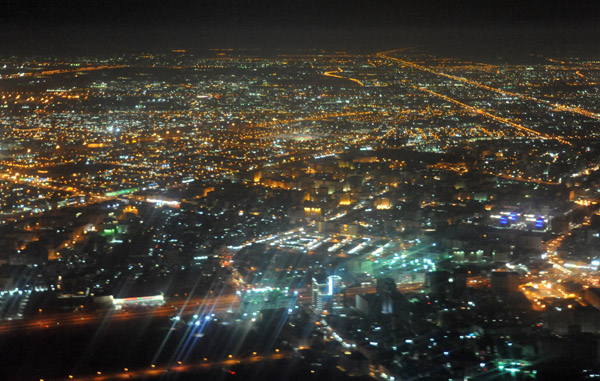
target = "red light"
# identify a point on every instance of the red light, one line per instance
(231, 372)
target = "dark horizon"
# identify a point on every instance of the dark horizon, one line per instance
(477, 41)
(109, 26)
(301, 13)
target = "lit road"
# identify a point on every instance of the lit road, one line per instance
(61, 71)
(556, 106)
(16, 179)
(219, 305)
(75, 237)
(162, 371)
(540, 288)
(339, 70)
(521, 179)
(488, 115)
(312, 118)
(91, 197)
(494, 117)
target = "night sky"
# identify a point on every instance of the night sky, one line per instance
(300, 12)
(116, 24)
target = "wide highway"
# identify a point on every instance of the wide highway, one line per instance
(199, 305)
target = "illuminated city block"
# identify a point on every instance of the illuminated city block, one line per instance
(329, 294)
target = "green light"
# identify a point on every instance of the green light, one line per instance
(120, 192)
